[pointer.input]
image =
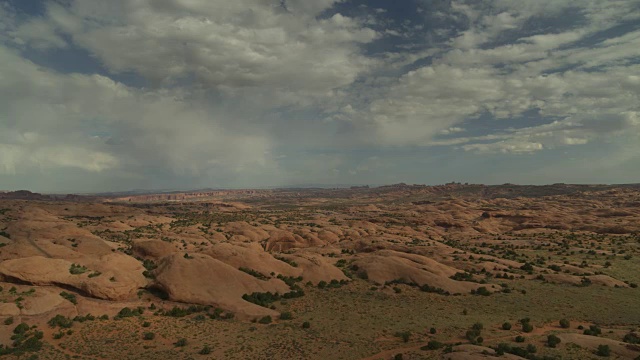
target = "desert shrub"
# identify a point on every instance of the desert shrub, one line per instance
(593, 330)
(398, 357)
(527, 352)
(254, 273)
(463, 276)
(128, 312)
(149, 336)
(286, 316)
(306, 325)
(585, 281)
(404, 335)
(433, 289)
(70, 297)
(506, 326)
(472, 335)
(603, 350)
(60, 321)
(290, 262)
(206, 350)
(77, 269)
(565, 324)
(432, 345)
(265, 320)
(527, 267)
(21, 328)
(432, 330)
(519, 339)
(291, 281)
(8, 321)
(482, 291)
(322, 284)
(146, 324)
(531, 348)
(181, 342)
(631, 338)
(552, 341)
(25, 339)
(527, 327)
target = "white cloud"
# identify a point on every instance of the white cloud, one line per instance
(93, 123)
(239, 89)
(230, 45)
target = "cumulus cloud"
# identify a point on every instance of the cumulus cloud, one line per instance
(252, 92)
(94, 123)
(589, 84)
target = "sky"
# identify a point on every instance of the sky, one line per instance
(184, 94)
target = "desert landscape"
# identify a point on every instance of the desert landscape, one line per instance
(456, 271)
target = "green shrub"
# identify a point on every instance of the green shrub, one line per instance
(603, 350)
(77, 269)
(181, 342)
(631, 338)
(432, 345)
(593, 330)
(254, 273)
(265, 320)
(552, 341)
(286, 316)
(404, 335)
(149, 336)
(128, 312)
(565, 324)
(506, 326)
(206, 350)
(8, 321)
(432, 331)
(483, 291)
(60, 321)
(70, 297)
(21, 329)
(306, 325)
(527, 267)
(519, 339)
(527, 327)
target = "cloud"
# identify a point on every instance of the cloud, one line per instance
(229, 46)
(252, 92)
(94, 123)
(470, 78)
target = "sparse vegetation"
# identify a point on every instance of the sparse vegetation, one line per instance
(77, 269)
(552, 341)
(70, 297)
